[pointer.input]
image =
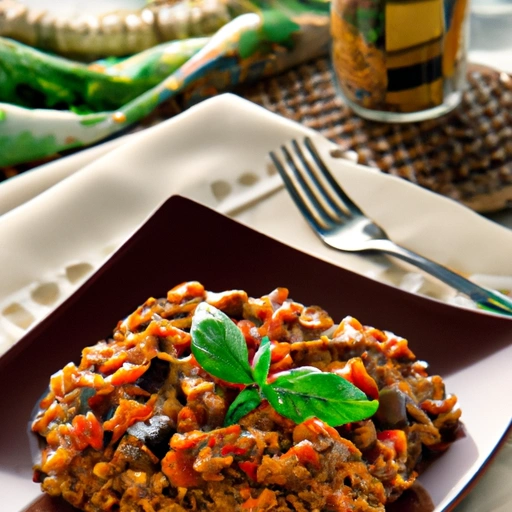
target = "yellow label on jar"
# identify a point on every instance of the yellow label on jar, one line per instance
(411, 24)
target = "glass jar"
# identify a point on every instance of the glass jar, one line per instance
(400, 60)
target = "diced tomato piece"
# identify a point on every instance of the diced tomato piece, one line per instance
(397, 348)
(279, 350)
(249, 468)
(127, 374)
(127, 413)
(187, 441)
(355, 372)
(281, 366)
(232, 448)
(86, 431)
(305, 452)
(113, 363)
(178, 468)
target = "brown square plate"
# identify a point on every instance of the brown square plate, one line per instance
(184, 241)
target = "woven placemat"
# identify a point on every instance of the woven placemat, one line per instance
(465, 155)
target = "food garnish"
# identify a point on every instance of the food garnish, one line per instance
(299, 394)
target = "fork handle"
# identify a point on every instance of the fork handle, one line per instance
(490, 299)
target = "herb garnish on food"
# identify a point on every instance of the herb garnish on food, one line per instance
(220, 348)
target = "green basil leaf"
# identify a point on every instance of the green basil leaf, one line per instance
(219, 346)
(261, 363)
(307, 392)
(244, 403)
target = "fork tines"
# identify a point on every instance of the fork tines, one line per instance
(315, 191)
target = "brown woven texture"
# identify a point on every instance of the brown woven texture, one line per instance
(465, 155)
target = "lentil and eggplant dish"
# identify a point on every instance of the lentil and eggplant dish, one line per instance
(175, 413)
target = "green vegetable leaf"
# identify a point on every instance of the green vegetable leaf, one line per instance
(219, 346)
(244, 403)
(261, 363)
(307, 392)
(278, 27)
(249, 43)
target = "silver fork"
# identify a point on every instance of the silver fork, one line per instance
(341, 224)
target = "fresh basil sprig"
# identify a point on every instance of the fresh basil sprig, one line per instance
(244, 403)
(219, 345)
(301, 393)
